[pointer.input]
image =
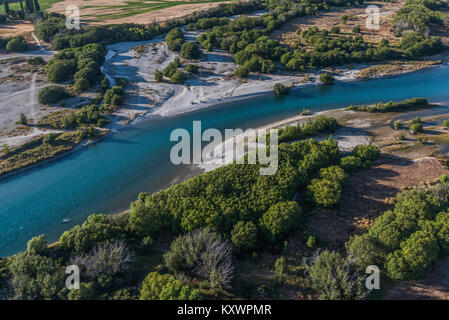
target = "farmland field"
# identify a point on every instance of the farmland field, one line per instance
(45, 4)
(121, 11)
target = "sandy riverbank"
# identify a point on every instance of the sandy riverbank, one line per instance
(214, 84)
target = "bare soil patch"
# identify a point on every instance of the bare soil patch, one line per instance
(368, 194)
(17, 28)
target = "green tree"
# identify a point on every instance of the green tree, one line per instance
(96, 229)
(36, 277)
(158, 76)
(333, 173)
(356, 29)
(37, 245)
(51, 94)
(244, 236)
(367, 152)
(85, 292)
(23, 119)
(280, 89)
(178, 77)
(92, 131)
(280, 219)
(37, 7)
(114, 96)
(446, 123)
(165, 287)
(326, 78)
(190, 50)
(29, 5)
(17, 44)
(325, 193)
(351, 163)
(5, 4)
(279, 270)
(60, 70)
(5, 149)
(416, 254)
(49, 139)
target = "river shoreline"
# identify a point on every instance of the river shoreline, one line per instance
(177, 103)
(115, 126)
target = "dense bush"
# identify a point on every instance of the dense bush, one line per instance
(192, 68)
(190, 50)
(81, 63)
(391, 106)
(48, 28)
(165, 287)
(417, 253)
(326, 78)
(407, 239)
(51, 94)
(244, 236)
(280, 219)
(95, 230)
(280, 89)
(178, 77)
(322, 124)
(61, 70)
(366, 152)
(36, 61)
(36, 277)
(174, 39)
(351, 163)
(416, 45)
(114, 96)
(325, 193)
(418, 15)
(37, 245)
(17, 44)
(222, 197)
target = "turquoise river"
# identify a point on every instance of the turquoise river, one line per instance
(105, 177)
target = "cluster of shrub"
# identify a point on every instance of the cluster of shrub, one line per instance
(321, 124)
(38, 149)
(88, 115)
(409, 238)
(83, 64)
(50, 27)
(14, 44)
(255, 52)
(325, 191)
(175, 42)
(415, 45)
(419, 15)
(392, 106)
(173, 72)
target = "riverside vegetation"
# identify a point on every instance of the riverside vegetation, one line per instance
(219, 218)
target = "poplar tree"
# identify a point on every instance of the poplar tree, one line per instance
(37, 7)
(6, 6)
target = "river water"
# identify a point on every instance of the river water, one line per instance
(105, 177)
